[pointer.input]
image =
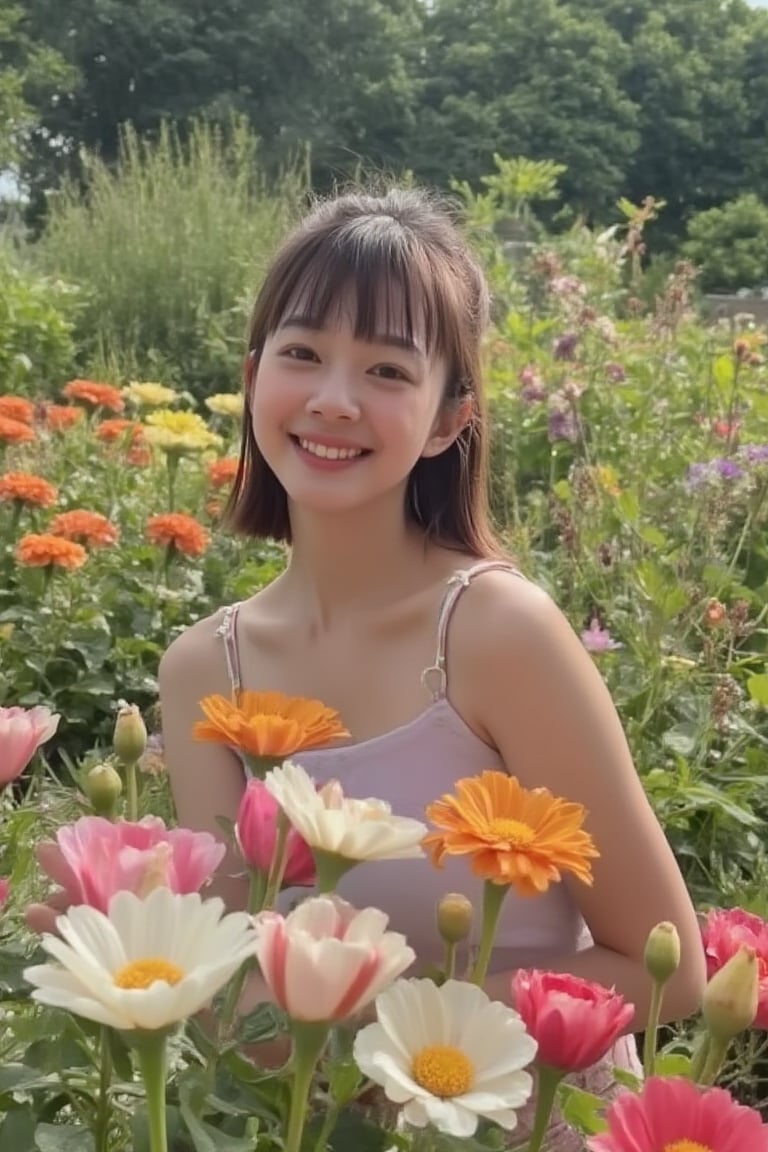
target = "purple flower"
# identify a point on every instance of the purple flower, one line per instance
(562, 424)
(755, 453)
(564, 347)
(533, 388)
(597, 639)
(615, 372)
(703, 472)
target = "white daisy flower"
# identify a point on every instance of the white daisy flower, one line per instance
(334, 823)
(147, 964)
(448, 1055)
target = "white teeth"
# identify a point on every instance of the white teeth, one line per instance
(330, 453)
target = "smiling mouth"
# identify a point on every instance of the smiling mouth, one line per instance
(328, 452)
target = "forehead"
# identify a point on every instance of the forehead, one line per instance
(378, 314)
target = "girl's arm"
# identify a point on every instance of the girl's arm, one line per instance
(207, 781)
(542, 702)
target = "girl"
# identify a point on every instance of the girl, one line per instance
(364, 448)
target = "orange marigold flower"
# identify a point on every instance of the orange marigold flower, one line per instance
(222, 472)
(44, 551)
(268, 723)
(17, 408)
(14, 432)
(59, 417)
(513, 836)
(28, 489)
(139, 455)
(95, 394)
(119, 429)
(85, 527)
(183, 532)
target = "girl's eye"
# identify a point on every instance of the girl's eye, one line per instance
(299, 352)
(389, 372)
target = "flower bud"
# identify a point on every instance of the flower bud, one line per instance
(130, 738)
(662, 952)
(731, 996)
(103, 787)
(454, 917)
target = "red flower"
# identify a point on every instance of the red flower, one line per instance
(186, 534)
(85, 527)
(17, 408)
(675, 1115)
(14, 432)
(95, 394)
(725, 931)
(575, 1022)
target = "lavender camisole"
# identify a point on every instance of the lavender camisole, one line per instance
(409, 768)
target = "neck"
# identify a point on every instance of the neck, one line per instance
(363, 559)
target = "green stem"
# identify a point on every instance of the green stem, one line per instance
(308, 1043)
(330, 867)
(329, 1123)
(450, 961)
(279, 860)
(715, 1058)
(151, 1054)
(493, 898)
(651, 1031)
(547, 1080)
(101, 1125)
(132, 802)
(172, 465)
(700, 1057)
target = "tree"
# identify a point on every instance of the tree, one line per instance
(684, 71)
(30, 74)
(731, 245)
(526, 77)
(337, 75)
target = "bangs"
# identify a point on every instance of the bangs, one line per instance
(371, 271)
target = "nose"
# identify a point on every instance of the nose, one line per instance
(333, 397)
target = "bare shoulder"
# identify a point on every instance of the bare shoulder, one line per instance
(196, 654)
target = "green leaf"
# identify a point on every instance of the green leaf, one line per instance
(262, 1023)
(672, 1064)
(17, 1130)
(757, 686)
(63, 1138)
(582, 1109)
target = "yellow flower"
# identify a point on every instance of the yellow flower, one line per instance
(268, 723)
(148, 394)
(225, 404)
(513, 836)
(179, 432)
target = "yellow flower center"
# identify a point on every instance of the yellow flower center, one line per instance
(443, 1070)
(686, 1146)
(144, 973)
(514, 831)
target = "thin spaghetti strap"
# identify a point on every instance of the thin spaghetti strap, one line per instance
(227, 631)
(435, 678)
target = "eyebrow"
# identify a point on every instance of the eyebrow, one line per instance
(387, 339)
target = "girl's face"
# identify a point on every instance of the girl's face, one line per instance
(342, 421)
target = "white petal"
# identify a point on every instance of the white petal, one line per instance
(450, 1117)
(80, 1006)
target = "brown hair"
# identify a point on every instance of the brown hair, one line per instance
(401, 250)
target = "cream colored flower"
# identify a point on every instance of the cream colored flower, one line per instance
(148, 394)
(334, 823)
(326, 961)
(179, 432)
(147, 964)
(225, 404)
(449, 1055)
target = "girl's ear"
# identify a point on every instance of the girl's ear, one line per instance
(450, 422)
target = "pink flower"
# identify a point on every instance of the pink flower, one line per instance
(673, 1113)
(725, 931)
(256, 834)
(94, 858)
(575, 1022)
(22, 731)
(4, 889)
(325, 960)
(597, 639)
